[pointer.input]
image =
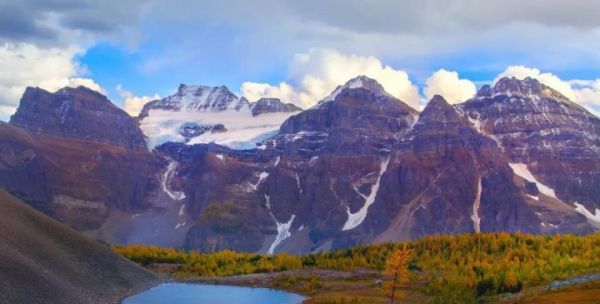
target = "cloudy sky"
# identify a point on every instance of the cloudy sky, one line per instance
(135, 51)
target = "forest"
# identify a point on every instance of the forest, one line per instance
(461, 267)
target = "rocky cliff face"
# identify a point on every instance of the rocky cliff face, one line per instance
(359, 167)
(77, 113)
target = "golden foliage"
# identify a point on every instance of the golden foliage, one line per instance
(456, 268)
(396, 268)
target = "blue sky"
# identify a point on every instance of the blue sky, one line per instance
(137, 50)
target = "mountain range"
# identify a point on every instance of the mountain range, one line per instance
(204, 169)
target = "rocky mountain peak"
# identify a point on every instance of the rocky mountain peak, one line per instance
(438, 112)
(355, 83)
(360, 106)
(437, 101)
(527, 87)
(272, 105)
(79, 113)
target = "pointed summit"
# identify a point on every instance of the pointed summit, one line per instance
(438, 112)
(437, 101)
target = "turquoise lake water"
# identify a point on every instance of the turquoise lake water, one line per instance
(179, 293)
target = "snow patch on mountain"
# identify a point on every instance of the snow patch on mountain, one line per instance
(261, 177)
(166, 181)
(521, 170)
(476, 204)
(355, 219)
(283, 229)
(351, 84)
(594, 218)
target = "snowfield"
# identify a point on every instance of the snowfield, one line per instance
(244, 131)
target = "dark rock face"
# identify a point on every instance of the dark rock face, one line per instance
(272, 105)
(78, 113)
(191, 130)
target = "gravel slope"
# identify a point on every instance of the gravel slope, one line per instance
(43, 261)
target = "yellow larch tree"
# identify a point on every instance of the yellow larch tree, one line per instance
(397, 269)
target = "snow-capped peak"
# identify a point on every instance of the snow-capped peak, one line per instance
(205, 98)
(354, 83)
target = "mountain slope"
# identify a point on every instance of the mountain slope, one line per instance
(42, 261)
(75, 181)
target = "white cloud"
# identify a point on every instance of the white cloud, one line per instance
(27, 65)
(133, 104)
(587, 93)
(255, 90)
(450, 86)
(315, 74)
(584, 92)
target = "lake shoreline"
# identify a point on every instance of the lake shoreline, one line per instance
(363, 279)
(180, 292)
(358, 283)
